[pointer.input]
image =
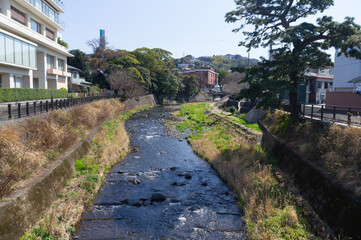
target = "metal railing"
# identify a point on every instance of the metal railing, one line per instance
(21, 110)
(43, 7)
(334, 114)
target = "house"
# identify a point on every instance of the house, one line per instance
(347, 78)
(76, 84)
(30, 55)
(318, 87)
(206, 76)
(346, 70)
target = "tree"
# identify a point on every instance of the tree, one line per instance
(125, 84)
(232, 83)
(166, 84)
(80, 61)
(222, 74)
(301, 46)
(189, 86)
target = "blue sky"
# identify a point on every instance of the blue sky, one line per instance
(182, 27)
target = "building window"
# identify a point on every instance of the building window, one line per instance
(9, 49)
(50, 62)
(18, 16)
(319, 84)
(75, 75)
(13, 50)
(326, 85)
(2, 47)
(61, 65)
(35, 83)
(50, 34)
(18, 82)
(35, 26)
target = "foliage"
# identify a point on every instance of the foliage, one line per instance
(80, 61)
(166, 84)
(24, 94)
(153, 68)
(300, 45)
(63, 43)
(125, 83)
(189, 86)
(218, 62)
(222, 74)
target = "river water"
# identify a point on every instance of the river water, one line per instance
(178, 195)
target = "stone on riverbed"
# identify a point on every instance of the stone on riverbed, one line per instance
(135, 181)
(158, 197)
(188, 176)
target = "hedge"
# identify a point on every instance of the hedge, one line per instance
(24, 94)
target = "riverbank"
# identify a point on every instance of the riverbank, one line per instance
(110, 146)
(271, 212)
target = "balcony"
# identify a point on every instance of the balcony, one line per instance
(60, 4)
(58, 72)
(48, 11)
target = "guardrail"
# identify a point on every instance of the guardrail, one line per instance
(335, 114)
(20, 110)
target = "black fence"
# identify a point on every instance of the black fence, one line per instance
(26, 109)
(334, 114)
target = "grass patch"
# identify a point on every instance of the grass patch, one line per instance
(270, 210)
(239, 119)
(195, 119)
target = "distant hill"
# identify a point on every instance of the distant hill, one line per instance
(217, 62)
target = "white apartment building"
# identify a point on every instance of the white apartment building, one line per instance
(346, 70)
(30, 56)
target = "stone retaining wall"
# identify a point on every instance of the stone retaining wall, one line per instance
(338, 207)
(24, 207)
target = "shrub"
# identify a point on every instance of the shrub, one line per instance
(24, 94)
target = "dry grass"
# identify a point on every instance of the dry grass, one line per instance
(270, 211)
(110, 146)
(335, 149)
(33, 143)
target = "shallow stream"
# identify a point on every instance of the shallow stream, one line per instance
(161, 191)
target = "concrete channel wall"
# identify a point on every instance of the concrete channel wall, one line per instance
(24, 207)
(338, 207)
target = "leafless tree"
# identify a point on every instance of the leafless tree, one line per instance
(98, 45)
(232, 83)
(125, 84)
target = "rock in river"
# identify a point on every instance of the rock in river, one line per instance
(158, 197)
(188, 176)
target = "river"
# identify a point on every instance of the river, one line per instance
(161, 191)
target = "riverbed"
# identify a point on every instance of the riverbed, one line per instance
(161, 191)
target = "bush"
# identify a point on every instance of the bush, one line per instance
(24, 94)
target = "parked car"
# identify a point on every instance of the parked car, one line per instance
(358, 90)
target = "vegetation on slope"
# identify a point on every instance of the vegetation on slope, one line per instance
(270, 210)
(335, 149)
(32, 144)
(109, 147)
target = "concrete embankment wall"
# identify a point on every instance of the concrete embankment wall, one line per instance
(24, 207)
(338, 207)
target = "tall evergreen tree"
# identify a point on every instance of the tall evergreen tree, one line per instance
(297, 47)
